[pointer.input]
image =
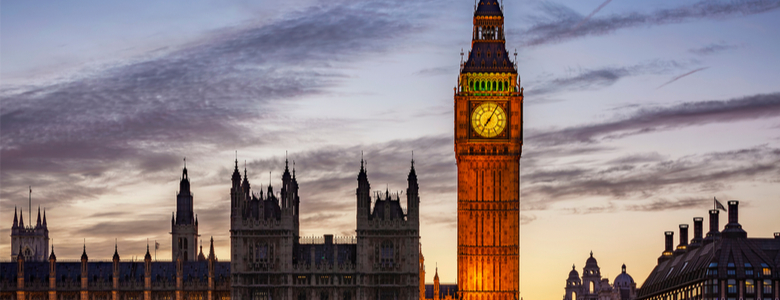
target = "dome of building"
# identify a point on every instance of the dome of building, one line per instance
(591, 262)
(623, 280)
(574, 275)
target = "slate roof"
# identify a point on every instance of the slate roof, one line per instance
(488, 8)
(714, 260)
(484, 54)
(387, 209)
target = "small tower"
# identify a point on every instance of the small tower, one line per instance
(573, 285)
(591, 278)
(32, 240)
(363, 194)
(436, 284)
(184, 231)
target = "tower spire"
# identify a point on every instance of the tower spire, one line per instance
(16, 220)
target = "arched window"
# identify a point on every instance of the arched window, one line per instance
(592, 287)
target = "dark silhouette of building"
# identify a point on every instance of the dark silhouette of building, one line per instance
(270, 260)
(28, 277)
(593, 287)
(723, 265)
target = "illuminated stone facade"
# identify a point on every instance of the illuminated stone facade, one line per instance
(270, 260)
(488, 148)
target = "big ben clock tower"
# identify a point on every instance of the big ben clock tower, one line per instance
(488, 144)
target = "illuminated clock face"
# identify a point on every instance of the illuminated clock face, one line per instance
(488, 119)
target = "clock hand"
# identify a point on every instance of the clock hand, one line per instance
(491, 116)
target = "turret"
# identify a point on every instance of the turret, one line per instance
(38, 222)
(412, 195)
(16, 221)
(362, 193)
(46, 227)
(286, 186)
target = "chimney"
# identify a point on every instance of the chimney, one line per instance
(669, 247)
(697, 233)
(683, 246)
(733, 228)
(777, 235)
(713, 234)
(733, 212)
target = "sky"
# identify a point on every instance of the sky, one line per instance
(637, 114)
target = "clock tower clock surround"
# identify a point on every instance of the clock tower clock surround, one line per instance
(488, 144)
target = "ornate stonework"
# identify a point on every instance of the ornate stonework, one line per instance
(488, 149)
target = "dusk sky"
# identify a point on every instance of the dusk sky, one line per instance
(637, 114)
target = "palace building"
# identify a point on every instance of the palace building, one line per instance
(488, 144)
(722, 265)
(270, 260)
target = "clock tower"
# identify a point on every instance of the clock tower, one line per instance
(488, 144)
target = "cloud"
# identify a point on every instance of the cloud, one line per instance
(705, 173)
(683, 75)
(143, 114)
(586, 79)
(561, 23)
(666, 204)
(714, 48)
(664, 118)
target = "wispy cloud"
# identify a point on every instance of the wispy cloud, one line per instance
(141, 115)
(563, 24)
(665, 118)
(586, 79)
(713, 48)
(683, 75)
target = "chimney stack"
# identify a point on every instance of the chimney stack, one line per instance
(733, 228)
(713, 234)
(697, 233)
(669, 247)
(733, 212)
(683, 246)
(777, 235)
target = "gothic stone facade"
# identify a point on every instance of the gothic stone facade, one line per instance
(488, 144)
(270, 260)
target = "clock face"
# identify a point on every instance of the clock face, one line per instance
(488, 119)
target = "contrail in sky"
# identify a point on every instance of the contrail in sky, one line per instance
(681, 76)
(590, 15)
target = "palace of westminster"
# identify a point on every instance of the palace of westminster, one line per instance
(270, 260)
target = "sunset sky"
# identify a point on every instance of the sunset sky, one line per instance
(637, 114)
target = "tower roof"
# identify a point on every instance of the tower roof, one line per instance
(488, 8)
(623, 280)
(591, 262)
(84, 254)
(574, 275)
